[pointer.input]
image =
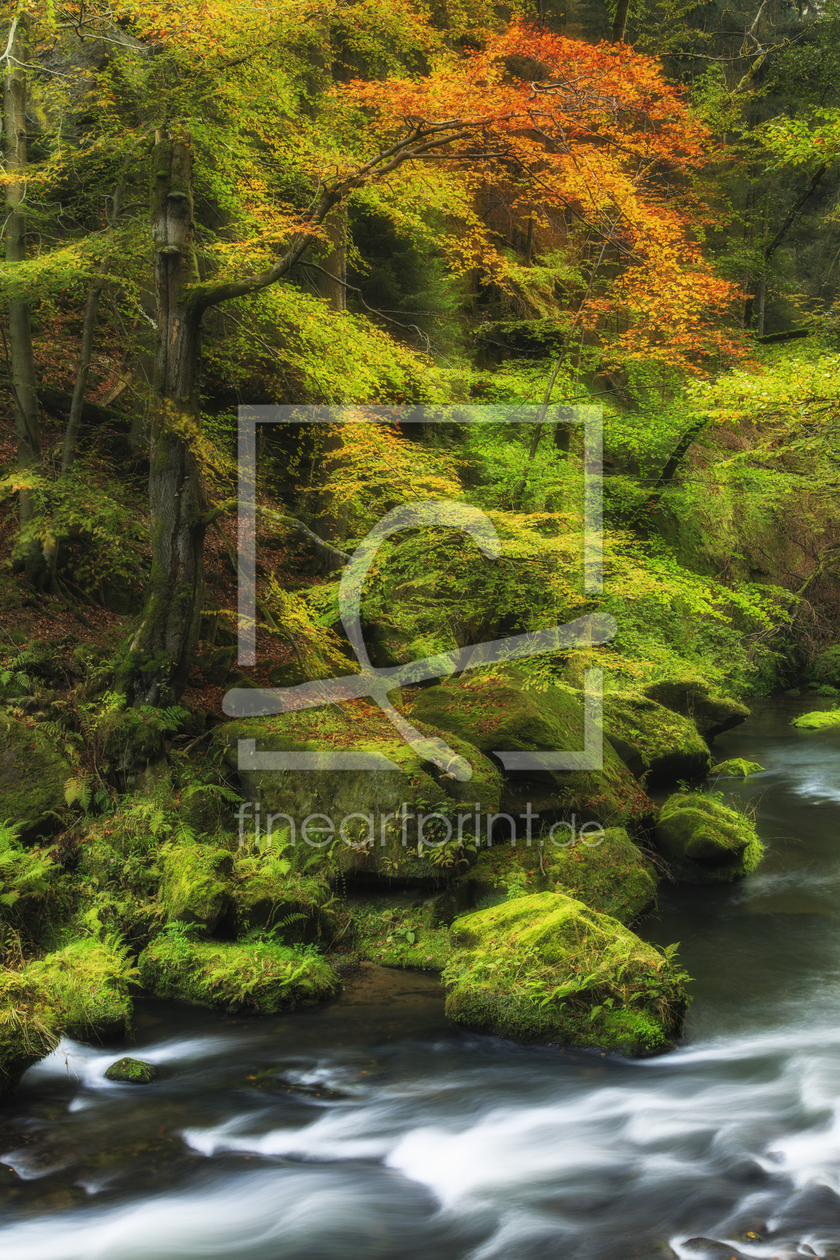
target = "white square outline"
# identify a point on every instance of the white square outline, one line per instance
(590, 757)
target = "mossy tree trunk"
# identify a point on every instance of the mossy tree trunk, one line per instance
(164, 645)
(28, 554)
(161, 653)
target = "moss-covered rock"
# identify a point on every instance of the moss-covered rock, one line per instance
(546, 968)
(496, 711)
(33, 773)
(365, 822)
(131, 1071)
(737, 767)
(705, 842)
(88, 983)
(195, 886)
(665, 744)
(29, 1024)
(693, 698)
(261, 976)
(269, 895)
(604, 870)
(817, 721)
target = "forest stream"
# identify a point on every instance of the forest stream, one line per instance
(372, 1128)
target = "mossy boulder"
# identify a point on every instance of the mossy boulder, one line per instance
(33, 773)
(664, 744)
(544, 967)
(195, 887)
(29, 1026)
(365, 822)
(819, 721)
(268, 895)
(705, 842)
(497, 711)
(737, 767)
(604, 870)
(693, 698)
(131, 1071)
(88, 982)
(262, 976)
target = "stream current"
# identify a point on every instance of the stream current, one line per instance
(372, 1128)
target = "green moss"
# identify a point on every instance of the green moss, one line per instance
(29, 1025)
(134, 1071)
(609, 874)
(737, 766)
(668, 744)
(817, 721)
(705, 842)
(88, 982)
(32, 777)
(262, 976)
(401, 936)
(543, 967)
(195, 887)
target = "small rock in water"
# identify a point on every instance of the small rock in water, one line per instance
(134, 1070)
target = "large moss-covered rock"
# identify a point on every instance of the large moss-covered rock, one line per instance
(497, 711)
(88, 983)
(693, 698)
(665, 745)
(262, 976)
(366, 822)
(605, 870)
(705, 842)
(544, 967)
(33, 773)
(267, 894)
(29, 1023)
(195, 886)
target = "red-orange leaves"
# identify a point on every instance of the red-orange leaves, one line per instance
(596, 151)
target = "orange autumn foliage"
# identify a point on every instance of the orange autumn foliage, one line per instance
(594, 134)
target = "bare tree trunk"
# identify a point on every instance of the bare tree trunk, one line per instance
(163, 647)
(22, 366)
(619, 27)
(332, 285)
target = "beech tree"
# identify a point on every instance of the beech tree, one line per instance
(580, 137)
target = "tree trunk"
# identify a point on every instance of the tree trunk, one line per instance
(22, 362)
(333, 276)
(164, 646)
(619, 27)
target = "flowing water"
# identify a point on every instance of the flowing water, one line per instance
(371, 1128)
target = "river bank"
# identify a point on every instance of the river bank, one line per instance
(373, 1127)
